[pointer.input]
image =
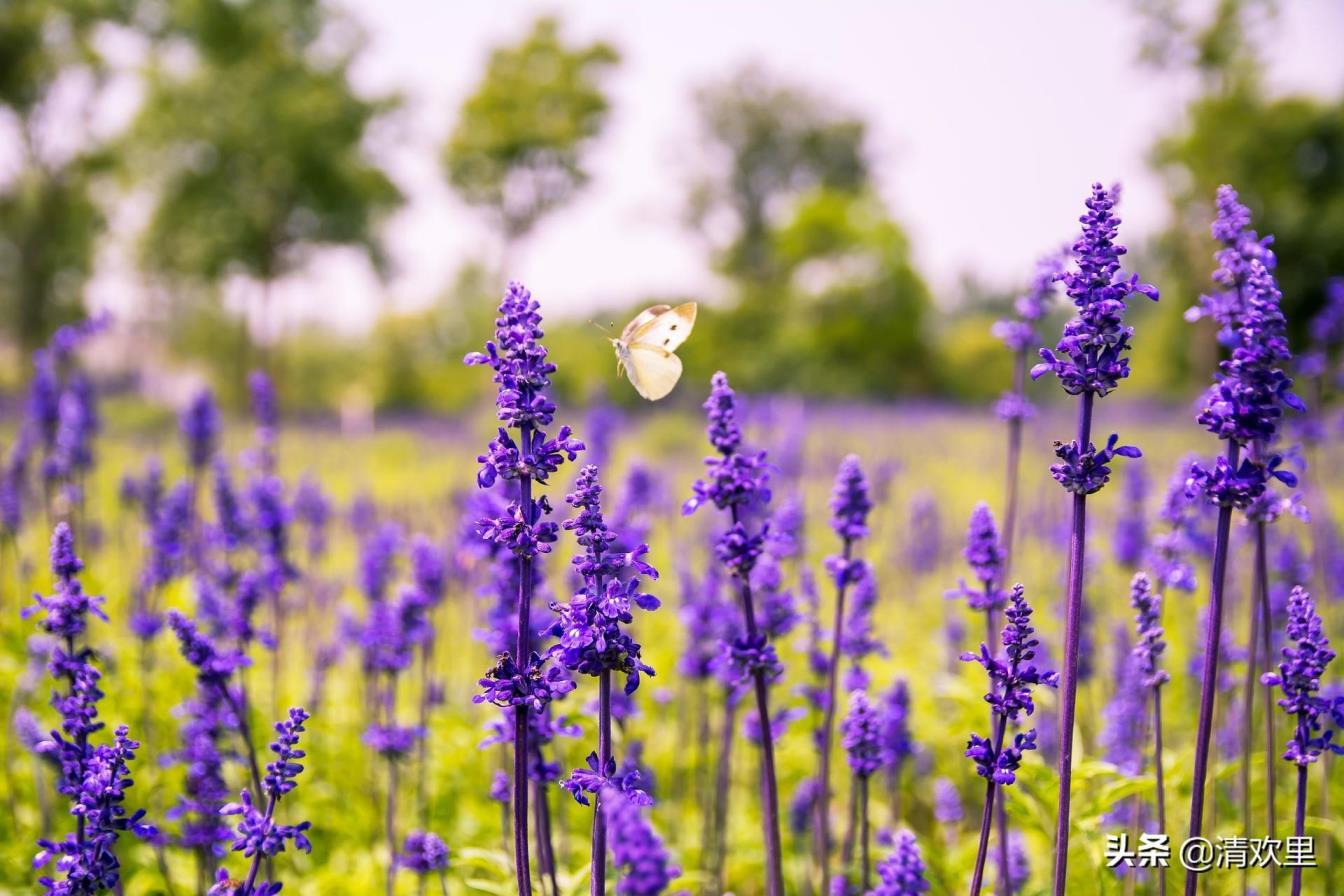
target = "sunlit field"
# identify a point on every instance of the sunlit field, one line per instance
(418, 479)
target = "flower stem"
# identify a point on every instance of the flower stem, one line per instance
(599, 856)
(522, 653)
(1299, 823)
(774, 876)
(822, 829)
(866, 873)
(987, 816)
(1266, 649)
(1001, 803)
(1072, 631)
(1161, 791)
(1209, 680)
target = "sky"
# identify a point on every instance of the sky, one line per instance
(988, 123)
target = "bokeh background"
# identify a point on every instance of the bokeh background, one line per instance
(337, 191)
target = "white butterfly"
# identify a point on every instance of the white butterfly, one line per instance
(644, 352)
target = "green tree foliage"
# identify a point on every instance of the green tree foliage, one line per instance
(49, 221)
(767, 144)
(254, 146)
(1285, 156)
(518, 149)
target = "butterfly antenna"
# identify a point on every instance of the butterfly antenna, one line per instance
(607, 329)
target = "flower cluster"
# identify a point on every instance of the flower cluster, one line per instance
(1245, 404)
(596, 778)
(1151, 642)
(1299, 677)
(1084, 472)
(88, 860)
(861, 735)
(423, 852)
(1019, 333)
(258, 836)
(734, 479)
(93, 777)
(897, 744)
(523, 374)
(589, 626)
(850, 503)
(200, 429)
(533, 686)
(1091, 352)
(902, 872)
(636, 849)
(984, 553)
(1012, 678)
(1168, 552)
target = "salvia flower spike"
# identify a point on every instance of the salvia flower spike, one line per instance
(738, 481)
(1090, 360)
(525, 456)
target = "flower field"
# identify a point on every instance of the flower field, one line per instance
(419, 660)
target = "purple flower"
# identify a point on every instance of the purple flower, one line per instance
(377, 560)
(902, 872)
(88, 861)
(897, 743)
(428, 569)
(265, 406)
(1151, 642)
(1124, 717)
(214, 666)
(313, 508)
(861, 735)
(1131, 527)
(1299, 677)
(200, 429)
(985, 555)
(592, 640)
(1091, 352)
(947, 809)
(423, 852)
(392, 742)
(637, 851)
(258, 835)
(850, 503)
(734, 479)
(597, 779)
(1011, 677)
(1084, 472)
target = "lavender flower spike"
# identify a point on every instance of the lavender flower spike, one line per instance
(739, 482)
(593, 642)
(850, 506)
(522, 373)
(902, 872)
(1299, 677)
(1089, 361)
(1012, 677)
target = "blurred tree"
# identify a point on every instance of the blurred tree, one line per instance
(518, 148)
(49, 221)
(253, 142)
(1285, 156)
(767, 143)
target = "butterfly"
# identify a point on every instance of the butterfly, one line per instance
(644, 351)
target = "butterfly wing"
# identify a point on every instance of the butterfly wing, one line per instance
(653, 371)
(666, 329)
(642, 320)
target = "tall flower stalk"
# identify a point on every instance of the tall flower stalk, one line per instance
(1243, 408)
(987, 556)
(861, 732)
(1020, 336)
(1148, 649)
(523, 374)
(738, 482)
(593, 642)
(93, 776)
(1090, 363)
(1299, 677)
(850, 506)
(1012, 675)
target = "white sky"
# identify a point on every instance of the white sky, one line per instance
(988, 123)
